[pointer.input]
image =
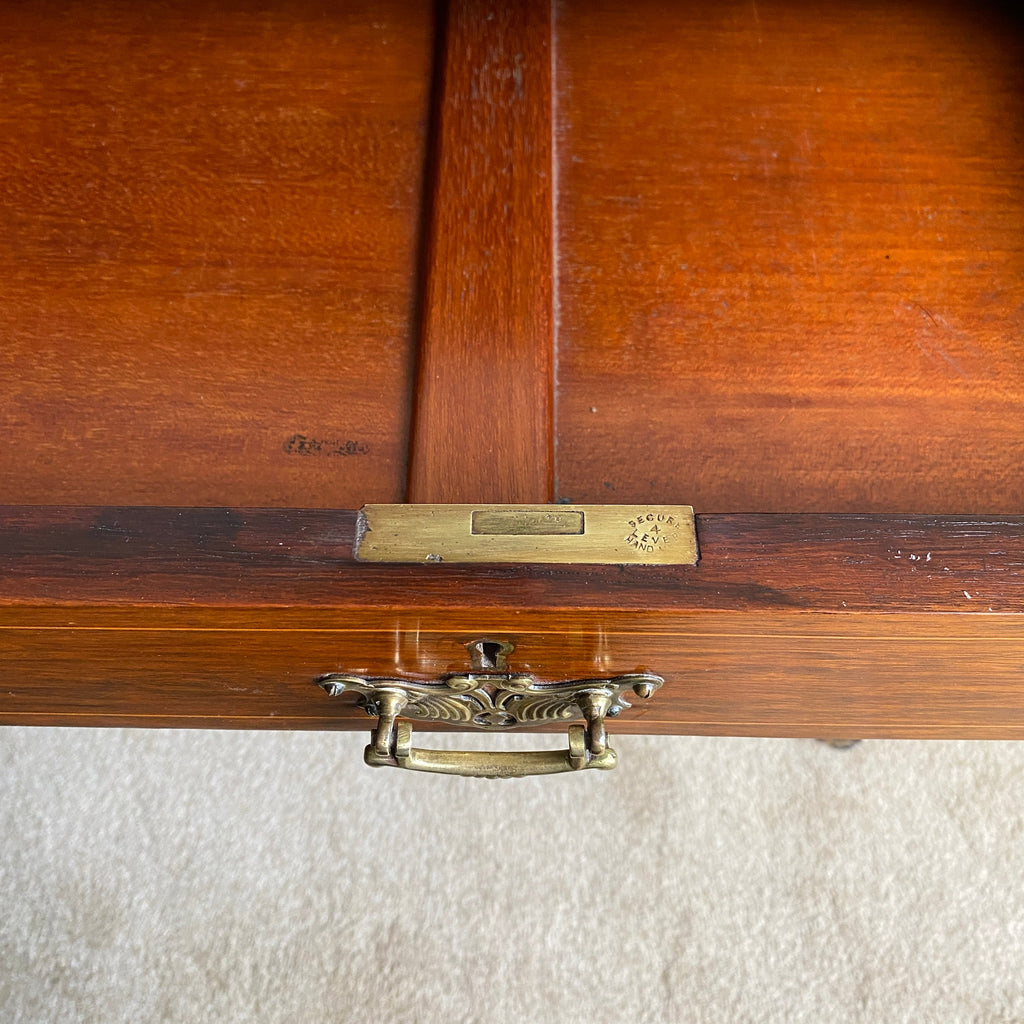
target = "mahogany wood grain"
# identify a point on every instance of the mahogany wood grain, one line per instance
(208, 229)
(483, 414)
(732, 675)
(789, 625)
(208, 248)
(296, 560)
(791, 244)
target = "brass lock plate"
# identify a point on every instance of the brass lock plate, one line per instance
(517, 534)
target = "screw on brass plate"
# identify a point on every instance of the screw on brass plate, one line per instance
(489, 655)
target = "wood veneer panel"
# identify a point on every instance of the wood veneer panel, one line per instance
(790, 625)
(208, 232)
(483, 419)
(791, 244)
(897, 676)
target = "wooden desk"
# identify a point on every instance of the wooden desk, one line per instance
(261, 263)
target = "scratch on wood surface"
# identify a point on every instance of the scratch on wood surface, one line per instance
(936, 351)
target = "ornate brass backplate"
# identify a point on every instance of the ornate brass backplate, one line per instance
(494, 701)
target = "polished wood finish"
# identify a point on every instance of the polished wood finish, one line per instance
(790, 625)
(208, 231)
(301, 559)
(483, 416)
(790, 277)
(900, 676)
(791, 244)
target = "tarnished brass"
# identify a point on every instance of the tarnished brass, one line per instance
(595, 534)
(495, 701)
(524, 522)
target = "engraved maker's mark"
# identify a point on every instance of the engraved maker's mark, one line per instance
(650, 530)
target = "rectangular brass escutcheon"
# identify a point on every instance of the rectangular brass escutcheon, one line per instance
(517, 534)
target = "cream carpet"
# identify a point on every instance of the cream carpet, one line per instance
(187, 876)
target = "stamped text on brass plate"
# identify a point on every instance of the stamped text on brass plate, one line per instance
(594, 534)
(526, 522)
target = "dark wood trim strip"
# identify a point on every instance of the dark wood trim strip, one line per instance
(291, 558)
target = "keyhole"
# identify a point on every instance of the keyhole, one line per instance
(487, 655)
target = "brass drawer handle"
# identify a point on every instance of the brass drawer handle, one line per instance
(491, 764)
(494, 701)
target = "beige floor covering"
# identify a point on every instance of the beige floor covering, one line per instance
(219, 876)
